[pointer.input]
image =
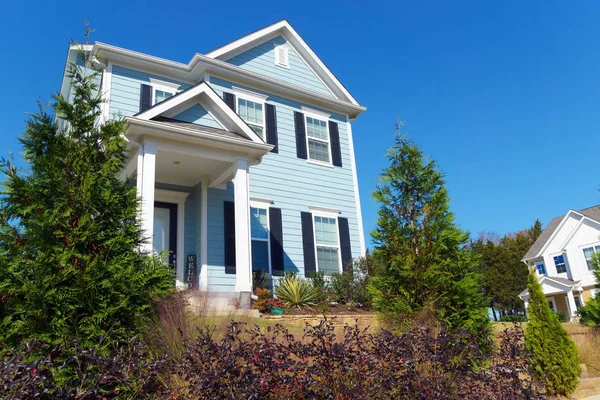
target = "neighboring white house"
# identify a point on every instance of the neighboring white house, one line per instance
(562, 257)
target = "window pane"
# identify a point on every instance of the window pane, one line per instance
(326, 231)
(258, 223)
(541, 269)
(316, 128)
(318, 151)
(260, 255)
(551, 305)
(559, 262)
(243, 109)
(327, 260)
(160, 95)
(257, 129)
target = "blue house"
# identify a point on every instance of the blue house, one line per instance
(243, 157)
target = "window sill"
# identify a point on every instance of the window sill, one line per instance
(324, 164)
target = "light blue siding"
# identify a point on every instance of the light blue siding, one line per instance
(126, 85)
(292, 184)
(261, 60)
(218, 280)
(198, 115)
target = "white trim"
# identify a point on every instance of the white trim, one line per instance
(321, 212)
(106, 87)
(285, 61)
(285, 29)
(160, 84)
(203, 236)
(258, 202)
(262, 205)
(593, 246)
(249, 95)
(565, 261)
(178, 198)
(243, 248)
(328, 141)
(321, 163)
(324, 211)
(241, 94)
(193, 71)
(361, 233)
(571, 234)
(315, 113)
(204, 92)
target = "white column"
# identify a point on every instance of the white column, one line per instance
(139, 183)
(571, 304)
(204, 235)
(243, 271)
(581, 298)
(148, 176)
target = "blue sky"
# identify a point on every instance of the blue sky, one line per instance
(504, 95)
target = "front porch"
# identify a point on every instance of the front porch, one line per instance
(185, 174)
(563, 295)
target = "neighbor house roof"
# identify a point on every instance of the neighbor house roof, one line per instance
(592, 213)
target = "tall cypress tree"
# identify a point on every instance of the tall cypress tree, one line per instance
(70, 263)
(554, 355)
(425, 261)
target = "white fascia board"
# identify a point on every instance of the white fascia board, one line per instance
(315, 113)
(177, 133)
(194, 71)
(249, 95)
(288, 32)
(199, 90)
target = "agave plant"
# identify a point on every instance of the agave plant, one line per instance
(296, 292)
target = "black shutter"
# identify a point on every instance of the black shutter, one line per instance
(308, 244)
(300, 135)
(271, 115)
(276, 234)
(336, 151)
(229, 100)
(229, 225)
(145, 97)
(345, 247)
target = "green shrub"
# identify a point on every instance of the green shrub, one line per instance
(296, 292)
(351, 286)
(554, 355)
(513, 318)
(561, 316)
(318, 281)
(260, 279)
(70, 265)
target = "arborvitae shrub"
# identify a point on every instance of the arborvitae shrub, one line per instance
(70, 260)
(554, 355)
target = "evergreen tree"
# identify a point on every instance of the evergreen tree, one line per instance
(504, 274)
(70, 263)
(425, 265)
(554, 355)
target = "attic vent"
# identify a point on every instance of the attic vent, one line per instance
(281, 56)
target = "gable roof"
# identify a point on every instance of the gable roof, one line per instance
(200, 93)
(286, 30)
(534, 251)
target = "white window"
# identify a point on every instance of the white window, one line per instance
(162, 90)
(551, 304)
(588, 254)
(327, 245)
(282, 56)
(259, 233)
(317, 136)
(251, 108)
(253, 113)
(561, 266)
